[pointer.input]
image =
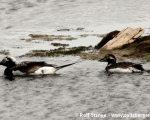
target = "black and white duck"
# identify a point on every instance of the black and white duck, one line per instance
(120, 67)
(29, 67)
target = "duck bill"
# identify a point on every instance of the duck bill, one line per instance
(102, 60)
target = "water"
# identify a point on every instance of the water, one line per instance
(69, 13)
(80, 88)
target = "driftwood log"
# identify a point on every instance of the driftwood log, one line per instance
(116, 39)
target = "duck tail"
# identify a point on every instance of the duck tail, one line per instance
(63, 66)
(138, 66)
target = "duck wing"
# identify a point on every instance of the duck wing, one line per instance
(138, 66)
(127, 65)
(130, 64)
(123, 65)
(30, 66)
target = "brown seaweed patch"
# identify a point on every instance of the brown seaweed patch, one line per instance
(5, 52)
(142, 50)
(64, 29)
(59, 44)
(84, 35)
(143, 38)
(51, 37)
(58, 52)
(90, 56)
(97, 35)
(80, 29)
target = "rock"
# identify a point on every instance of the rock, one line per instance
(107, 37)
(126, 36)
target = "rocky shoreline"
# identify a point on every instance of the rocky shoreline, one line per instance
(138, 50)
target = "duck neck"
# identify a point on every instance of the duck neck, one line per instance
(10, 65)
(110, 62)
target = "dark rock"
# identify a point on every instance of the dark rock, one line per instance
(107, 38)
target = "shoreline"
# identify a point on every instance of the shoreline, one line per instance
(138, 50)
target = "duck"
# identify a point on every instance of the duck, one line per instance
(120, 67)
(29, 67)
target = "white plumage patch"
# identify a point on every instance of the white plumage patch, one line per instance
(18, 72)
(110, 57)
(134, 69)
(123, 70)
(40, 71)
(46, 70)
(13, 59)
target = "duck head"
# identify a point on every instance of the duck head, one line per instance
(8, 61)
(110, 58)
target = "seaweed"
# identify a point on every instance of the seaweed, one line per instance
(59, 44)
(58, 52)
(45, 37)
(141, 39)
(5, 52)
